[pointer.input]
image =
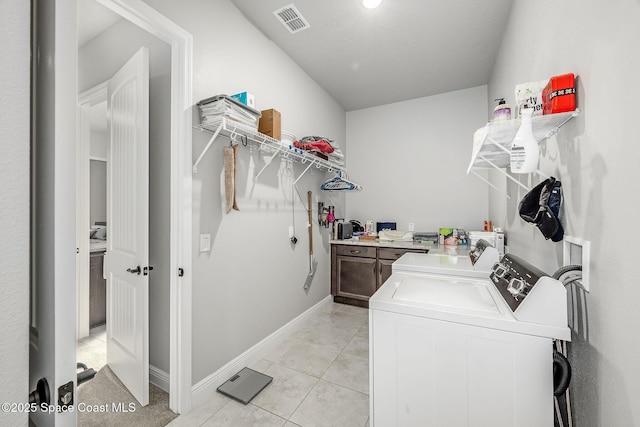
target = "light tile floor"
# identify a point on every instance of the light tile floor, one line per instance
(320, 378)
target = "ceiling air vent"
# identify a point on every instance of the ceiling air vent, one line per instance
(291, 18)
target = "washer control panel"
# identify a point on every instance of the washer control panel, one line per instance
(514, 278)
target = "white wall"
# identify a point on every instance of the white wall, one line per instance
(596, 158)
(98, 185)
(411, 159)
(14, 206)
(99, 57)
(99, 145)
(251, 283)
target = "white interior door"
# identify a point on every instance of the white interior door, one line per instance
(128, 225)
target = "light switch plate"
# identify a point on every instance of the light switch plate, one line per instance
(205, 242)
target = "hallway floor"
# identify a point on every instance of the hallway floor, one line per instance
(320, 378)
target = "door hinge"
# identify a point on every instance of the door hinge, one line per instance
(180, 272)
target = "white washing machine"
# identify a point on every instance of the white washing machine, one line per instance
(477, 263)
(453, 351)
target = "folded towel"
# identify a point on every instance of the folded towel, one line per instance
(229, 156)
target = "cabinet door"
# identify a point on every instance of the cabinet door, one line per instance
(387, 256)
(356, 277)
(384, 270)
(98, 293)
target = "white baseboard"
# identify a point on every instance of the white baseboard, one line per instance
(206, 388)
(159, 378)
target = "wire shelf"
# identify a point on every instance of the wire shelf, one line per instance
(493, 151)
(246, 135)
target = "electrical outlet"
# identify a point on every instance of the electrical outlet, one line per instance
(412, 226)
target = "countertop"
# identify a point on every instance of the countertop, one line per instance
(97, 245)
(433, 249)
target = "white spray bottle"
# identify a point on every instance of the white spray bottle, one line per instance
(525, 152)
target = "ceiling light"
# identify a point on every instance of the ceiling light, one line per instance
(371, 4)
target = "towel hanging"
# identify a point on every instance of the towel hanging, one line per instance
(229, 155)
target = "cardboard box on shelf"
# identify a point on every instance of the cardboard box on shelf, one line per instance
(270, 123)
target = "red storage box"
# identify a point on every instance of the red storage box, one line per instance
(559, 95)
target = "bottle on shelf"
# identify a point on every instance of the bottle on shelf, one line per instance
(524, 153)
(502, 111)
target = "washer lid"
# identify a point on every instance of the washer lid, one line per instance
(472, 301)
(457, 265)
(446, 293)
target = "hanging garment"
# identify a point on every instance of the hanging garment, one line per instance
(229, 156)
(541, 206)
(318, 143)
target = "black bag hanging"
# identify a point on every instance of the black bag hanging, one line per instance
(541, 206)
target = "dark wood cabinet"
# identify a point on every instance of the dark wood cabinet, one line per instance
(358, 271)
(97, 291)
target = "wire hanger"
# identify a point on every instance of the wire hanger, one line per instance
(340, 182)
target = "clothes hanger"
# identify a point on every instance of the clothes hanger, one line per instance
(340, 182)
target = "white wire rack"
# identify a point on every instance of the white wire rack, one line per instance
(246, 135)
(494, 149)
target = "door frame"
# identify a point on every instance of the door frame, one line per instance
(86, 100)
(180, 259)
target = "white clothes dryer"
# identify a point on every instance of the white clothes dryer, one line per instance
(462, 351)
(477, 263)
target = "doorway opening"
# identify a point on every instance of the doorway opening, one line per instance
(170, 120)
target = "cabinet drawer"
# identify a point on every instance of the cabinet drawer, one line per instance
(395, 253)
(359, 251)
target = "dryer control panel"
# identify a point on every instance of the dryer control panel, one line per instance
(483, 256)
(515, 278)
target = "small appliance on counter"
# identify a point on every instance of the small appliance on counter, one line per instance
(425, 238)
(342, 230)
(357, 226)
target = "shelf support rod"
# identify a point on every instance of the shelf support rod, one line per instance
(503, 148)
(294, 186)
(267, 162)
(504, 172)
(206, 148)
(542, 174)
(490, 184)
(302, 174)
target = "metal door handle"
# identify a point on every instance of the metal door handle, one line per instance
(41, 394)
(136, 270)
